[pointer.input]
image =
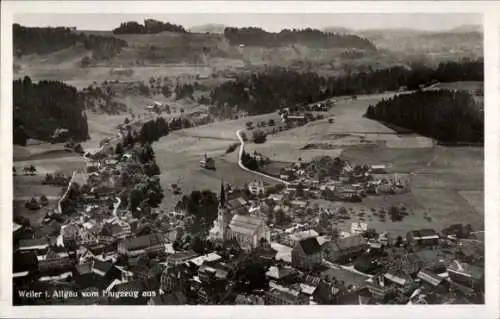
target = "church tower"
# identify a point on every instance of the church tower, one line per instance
(221, 212)
(218, 231)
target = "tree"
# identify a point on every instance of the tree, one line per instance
(259, 136)
(44, 201)
(271, 122)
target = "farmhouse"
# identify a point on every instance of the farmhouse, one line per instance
(207, 162)
(257, 188)
(469, 275)
(423, 237)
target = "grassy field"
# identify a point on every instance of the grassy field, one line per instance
(35, 216)
(446, 182)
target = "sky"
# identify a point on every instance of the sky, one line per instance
(270, 22)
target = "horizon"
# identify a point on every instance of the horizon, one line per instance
(433, 22)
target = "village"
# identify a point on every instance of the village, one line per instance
(269, 244)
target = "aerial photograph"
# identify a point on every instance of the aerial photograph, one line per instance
(248, 159)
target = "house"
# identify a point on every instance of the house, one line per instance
(296, 120)
(280, 273)
(429, 278)
(248, 231)
(205, 259)
(37, 245)
(362, 296)
(238, 206)
(345, 248)
(257, 188)
(378, 169)
(423, 237)
(152, 243)
(408, 263)
(358, 228)
(294, 238)
(95, 273)
(180, 258)
(56, 261)
(281, 295)
(70, 233)
(306, 254)
(25, 267)
(380, 287)
(207, 162)
(469, 275)
(120, 230)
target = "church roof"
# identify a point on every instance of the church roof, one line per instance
(245, 224)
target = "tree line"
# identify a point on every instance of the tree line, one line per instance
(444, 115)
(41, 108)
(278, 88)
(28, 40)
(149, 26)
(252, 36)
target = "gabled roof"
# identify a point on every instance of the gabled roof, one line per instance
(143, 242)
(35, 243)
(237, 203)
(429, 277)
(465, 269)
(245, 224)
(94, 266)
(276, 272)
(310, 246)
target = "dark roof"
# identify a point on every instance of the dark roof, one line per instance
(310, 246)
(24, 261)
(94, 265)
(143, 241)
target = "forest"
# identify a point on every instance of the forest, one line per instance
(29, 40)
(149, 26)
(278, 88)
(41, 108)
(447, 116)
(253, 36)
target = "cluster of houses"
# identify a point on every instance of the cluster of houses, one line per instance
(103, 252)
(349, 185)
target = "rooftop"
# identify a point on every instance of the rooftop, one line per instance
(310, 246)
(245, 224)
(142, 242)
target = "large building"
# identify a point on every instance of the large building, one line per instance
(247, 230)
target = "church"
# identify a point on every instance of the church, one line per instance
(246, 229)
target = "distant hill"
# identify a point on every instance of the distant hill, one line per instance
(208, 28)
(432, 47)
(468, 28)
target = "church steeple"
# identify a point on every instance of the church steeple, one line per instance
(222, 198)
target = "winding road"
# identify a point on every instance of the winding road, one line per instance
(240, 163)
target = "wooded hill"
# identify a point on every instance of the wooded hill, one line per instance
(309, 37)
(277, 88)
(443, 115)
(29, 40)
(41, 108)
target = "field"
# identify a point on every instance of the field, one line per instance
(47, 158)
(446, 182)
